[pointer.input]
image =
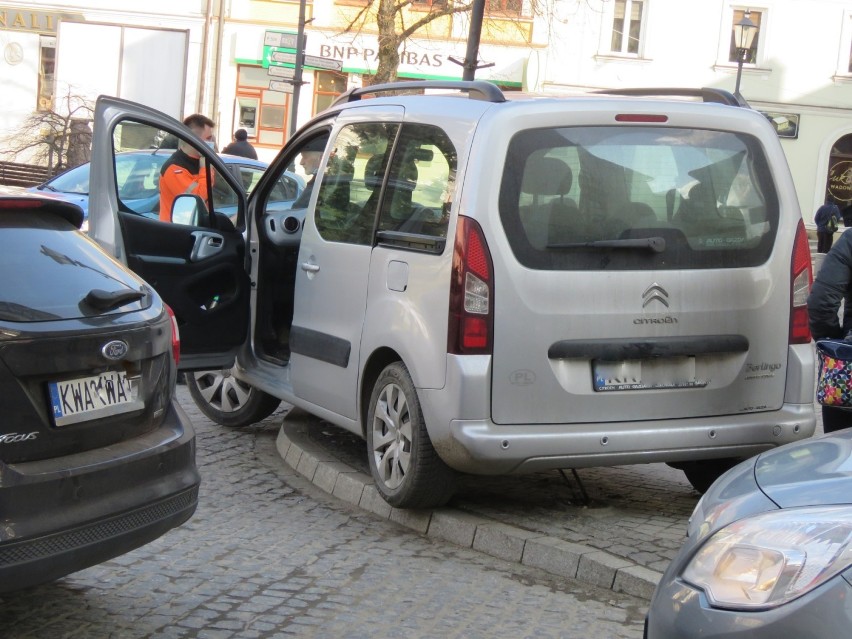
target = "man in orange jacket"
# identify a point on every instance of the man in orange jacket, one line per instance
(186, 171)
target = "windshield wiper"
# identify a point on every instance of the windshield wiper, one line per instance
(656, 244)
(47, 187)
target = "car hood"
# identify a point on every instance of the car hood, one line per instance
(813, 472)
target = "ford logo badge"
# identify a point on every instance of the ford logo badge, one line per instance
(115, 349)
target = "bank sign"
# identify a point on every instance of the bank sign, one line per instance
(359, 54)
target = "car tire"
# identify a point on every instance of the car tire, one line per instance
(227, 400)
(702, 473)
(406, 469)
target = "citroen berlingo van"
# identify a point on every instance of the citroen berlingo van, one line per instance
(486, 285)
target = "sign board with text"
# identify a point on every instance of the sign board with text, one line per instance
(281, 85)
(282, 39)
(282, 72)
(282, 57)
(323, 63)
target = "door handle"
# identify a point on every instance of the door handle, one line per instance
(307, 267)
(205, 245)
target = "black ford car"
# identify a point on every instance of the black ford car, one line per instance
(96, 457)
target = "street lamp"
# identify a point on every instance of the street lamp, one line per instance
(744, 32)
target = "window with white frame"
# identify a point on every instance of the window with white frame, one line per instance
(844, 62)
(734, 52)
(627, 26)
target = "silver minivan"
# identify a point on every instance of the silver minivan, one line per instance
(483, 285)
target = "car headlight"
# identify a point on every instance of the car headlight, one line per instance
(769, 559)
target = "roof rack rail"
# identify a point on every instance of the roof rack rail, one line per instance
(707, 94)
(476, 89)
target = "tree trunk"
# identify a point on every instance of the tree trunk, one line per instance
(389, 43)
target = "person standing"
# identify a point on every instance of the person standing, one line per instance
(186, 170)
(309, 160)
(833, 285)
(826, 219)
(241, 146)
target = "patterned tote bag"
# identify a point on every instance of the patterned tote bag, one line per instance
(834, 379)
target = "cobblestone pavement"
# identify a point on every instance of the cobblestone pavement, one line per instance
(269, 555)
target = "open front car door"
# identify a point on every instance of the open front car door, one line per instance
(192, 251)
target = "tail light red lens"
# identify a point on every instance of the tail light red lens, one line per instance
(801, 279)
(471, 317)
(175, 335)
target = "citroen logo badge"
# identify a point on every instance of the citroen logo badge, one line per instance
(657, 293)
(115, 349)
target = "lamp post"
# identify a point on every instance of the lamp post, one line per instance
(744, 32)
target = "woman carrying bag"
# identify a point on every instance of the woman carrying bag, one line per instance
(833, 285)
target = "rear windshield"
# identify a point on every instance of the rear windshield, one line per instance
(50, 269)
(592, 198)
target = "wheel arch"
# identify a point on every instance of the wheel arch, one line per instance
(377, 362)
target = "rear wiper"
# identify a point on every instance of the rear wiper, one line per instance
(656, 244)
(47, 187)
(108, 300)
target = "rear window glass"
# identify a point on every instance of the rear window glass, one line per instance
(62, 266)
(593, 198)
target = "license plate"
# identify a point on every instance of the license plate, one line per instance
(646, 374)
(87, 398)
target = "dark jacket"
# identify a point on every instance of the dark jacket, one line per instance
(823, 215)
(832, 285)
(243, 148)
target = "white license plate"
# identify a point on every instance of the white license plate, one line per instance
(646, 374)
(86, 398)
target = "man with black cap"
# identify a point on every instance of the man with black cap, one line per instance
(241, 146)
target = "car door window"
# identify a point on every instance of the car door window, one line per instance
(140, 152)
(351, 184)
(421, 183)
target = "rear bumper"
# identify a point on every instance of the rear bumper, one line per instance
(482, 447)
(65, 514)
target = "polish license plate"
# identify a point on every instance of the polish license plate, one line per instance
(86, 398)
(646, 374)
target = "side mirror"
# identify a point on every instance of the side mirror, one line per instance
(189, 210)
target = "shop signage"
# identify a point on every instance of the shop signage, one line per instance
(840, 180)
(357, 55)
(27, 20)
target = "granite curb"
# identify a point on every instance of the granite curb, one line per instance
(556, 556)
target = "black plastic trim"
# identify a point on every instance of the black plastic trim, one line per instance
(616, 350)
(707, 94)
(321, 346)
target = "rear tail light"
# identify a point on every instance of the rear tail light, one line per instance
(471, 317)
(175, 335)
(801, 278)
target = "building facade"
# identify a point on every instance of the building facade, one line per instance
(234, 64)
